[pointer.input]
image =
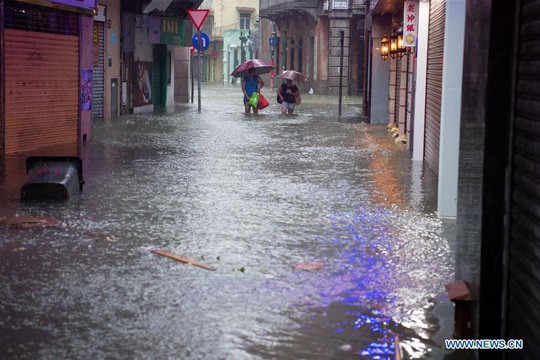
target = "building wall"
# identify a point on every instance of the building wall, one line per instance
(112, 54)
(224, 17)
(380, 72)
(321, 54)
(143, 52)
(226, 13)
(86, 60)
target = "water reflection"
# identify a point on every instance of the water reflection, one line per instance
(252, 195)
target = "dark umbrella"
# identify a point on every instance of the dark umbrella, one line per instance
(260, 67)
(293, 75)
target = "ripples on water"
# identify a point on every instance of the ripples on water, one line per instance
(253, 195)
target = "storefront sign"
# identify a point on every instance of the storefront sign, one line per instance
(172, 32)
(340, 5)
(410, 23)
(85, 4)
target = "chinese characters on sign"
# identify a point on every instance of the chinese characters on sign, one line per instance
(410, 23)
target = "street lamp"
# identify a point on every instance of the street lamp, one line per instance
(384, 48)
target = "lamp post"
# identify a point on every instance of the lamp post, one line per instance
(384, 48)
(243, 41)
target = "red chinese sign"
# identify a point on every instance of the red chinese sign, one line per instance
(410, 23)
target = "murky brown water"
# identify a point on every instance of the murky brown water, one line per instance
(251, 195)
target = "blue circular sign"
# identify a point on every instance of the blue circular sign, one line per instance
(205, 40)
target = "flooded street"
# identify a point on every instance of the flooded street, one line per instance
(253, 196)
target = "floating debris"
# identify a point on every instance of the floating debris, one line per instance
(31, 221)
(309, 266)
(183, 259)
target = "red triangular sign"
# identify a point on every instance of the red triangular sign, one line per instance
(198, 16)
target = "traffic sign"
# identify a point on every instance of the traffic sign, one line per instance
(198, 16)
(272, 41)
(205, 41)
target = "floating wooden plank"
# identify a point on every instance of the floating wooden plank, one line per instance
(31, 221)
(309, 266)
(184, 260)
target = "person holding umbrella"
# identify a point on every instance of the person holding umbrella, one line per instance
(249, 71)
(289, 93)
(250, 84)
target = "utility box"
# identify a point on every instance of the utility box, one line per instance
(52, 178)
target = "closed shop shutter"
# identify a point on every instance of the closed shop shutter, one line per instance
(159, 78)
(524, 236)
(98, 72)
(42, 89)
(434, 84)
(1, 121)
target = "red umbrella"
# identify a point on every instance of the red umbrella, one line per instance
(260, 67)
(293, 75)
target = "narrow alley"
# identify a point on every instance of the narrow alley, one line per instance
(256, 196)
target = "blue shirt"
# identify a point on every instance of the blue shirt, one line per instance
(251, 85)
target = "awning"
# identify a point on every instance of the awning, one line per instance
(160, 5)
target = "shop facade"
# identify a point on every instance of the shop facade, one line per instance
(46, 74)
(306, 36)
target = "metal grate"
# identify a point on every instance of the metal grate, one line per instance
(22, 16)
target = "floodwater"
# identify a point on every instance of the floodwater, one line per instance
(253, 196)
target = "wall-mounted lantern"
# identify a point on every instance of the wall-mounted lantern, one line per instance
(393, 45)
(400, 45)
(384, 48)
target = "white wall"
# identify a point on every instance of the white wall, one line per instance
(421, 72)
(380, 73)
(170, 88)
(451, 108)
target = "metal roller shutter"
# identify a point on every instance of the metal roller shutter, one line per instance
(159, 78)
(98, 72)
(434, 84)
(1, 122)
(42, 89)
(524, 236)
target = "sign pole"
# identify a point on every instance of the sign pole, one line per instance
(198, 16)
(341, 71)
(199, 42)
(192, 78)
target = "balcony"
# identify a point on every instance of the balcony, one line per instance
(275, 9)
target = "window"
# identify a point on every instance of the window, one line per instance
(244, 21)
